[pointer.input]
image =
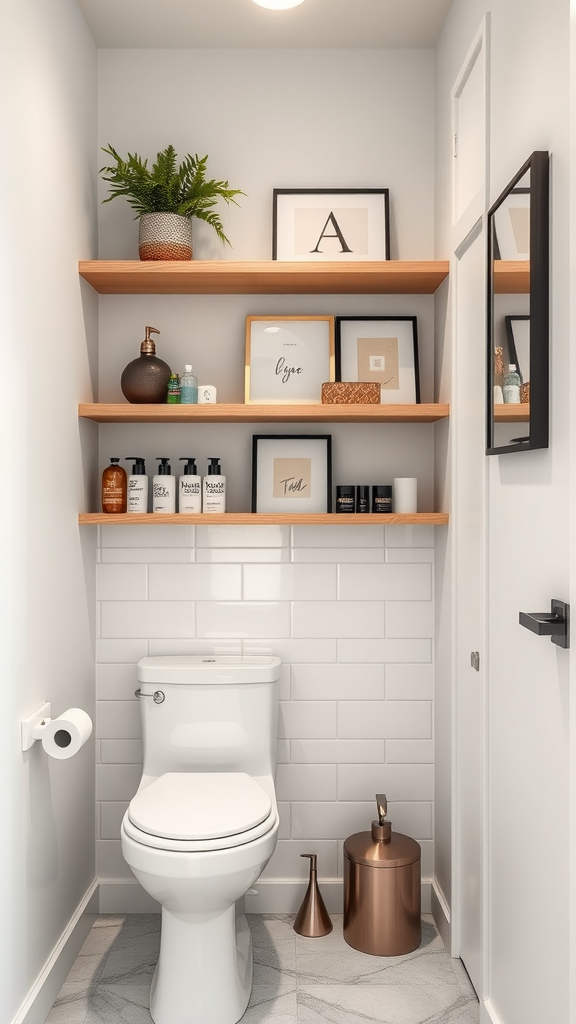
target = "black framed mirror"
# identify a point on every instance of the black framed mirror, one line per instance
(518, 312)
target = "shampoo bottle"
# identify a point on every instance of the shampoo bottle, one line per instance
(137, 486)
(214, 490)
(190, 491)
(114, 488)
(164, 488)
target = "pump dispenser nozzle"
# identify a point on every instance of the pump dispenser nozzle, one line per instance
(214, 466)
(190, 467)
(148, 348)
(139, 467)
(164, 469)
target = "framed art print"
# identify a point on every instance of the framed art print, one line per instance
(337, 224)
(288, 358)
(382, 349)
(292, 473)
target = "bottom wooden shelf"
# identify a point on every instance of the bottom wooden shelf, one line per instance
(266, 518)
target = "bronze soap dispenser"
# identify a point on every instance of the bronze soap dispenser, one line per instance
(145, 380)
(312, 919)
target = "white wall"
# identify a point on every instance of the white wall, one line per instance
(348, 609)
(527, 516)
(48, 75)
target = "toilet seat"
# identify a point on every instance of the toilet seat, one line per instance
(200, 811)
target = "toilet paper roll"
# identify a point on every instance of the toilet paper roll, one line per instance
(62, 737)
(404, 494)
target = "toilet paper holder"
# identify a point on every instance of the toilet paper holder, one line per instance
(33, 727)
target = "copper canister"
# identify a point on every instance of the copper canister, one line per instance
(382, 890)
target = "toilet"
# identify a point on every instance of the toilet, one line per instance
(204, 824)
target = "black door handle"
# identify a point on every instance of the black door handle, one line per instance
(555, 623)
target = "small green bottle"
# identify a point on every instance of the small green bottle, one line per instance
(173, 390)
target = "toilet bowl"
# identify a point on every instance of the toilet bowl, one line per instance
(198, 834)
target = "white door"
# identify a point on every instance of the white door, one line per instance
(469, 468)
(468, 275)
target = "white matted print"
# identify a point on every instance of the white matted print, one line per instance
(330, 224)
(288, 358)
(382, 349)
(292, 473)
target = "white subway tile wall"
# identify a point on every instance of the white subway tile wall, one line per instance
(349, 611)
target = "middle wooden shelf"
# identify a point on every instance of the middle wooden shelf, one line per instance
(123, 412)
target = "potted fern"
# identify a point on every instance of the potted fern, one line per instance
(165, 199)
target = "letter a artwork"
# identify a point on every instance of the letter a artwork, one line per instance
(331, 219)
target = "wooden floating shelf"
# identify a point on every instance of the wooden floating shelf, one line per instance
(511, 277)
(259, 518)
(511, 413)
(229, 277)
(240, 413)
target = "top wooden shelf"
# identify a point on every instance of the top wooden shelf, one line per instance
(228, 277)
(122, 412)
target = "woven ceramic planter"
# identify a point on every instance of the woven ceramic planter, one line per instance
(165, 236)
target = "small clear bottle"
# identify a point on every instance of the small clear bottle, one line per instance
(511, 389)
(188, 386)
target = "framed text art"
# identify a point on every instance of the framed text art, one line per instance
(292, 473)
(288, 358)
(382, 349)
(337, 224)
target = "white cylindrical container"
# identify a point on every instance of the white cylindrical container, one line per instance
(62, 737)
(164, 489)
(190, 488)
(206, 394)
(137, 486)
(404, 494)
(214, 488)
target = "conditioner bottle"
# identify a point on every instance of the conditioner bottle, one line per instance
(164, 488)
(190, 491)
(137, 486)
(214, 490)
(114, 488)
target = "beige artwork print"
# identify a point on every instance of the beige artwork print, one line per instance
(292, 478)
(378, 361)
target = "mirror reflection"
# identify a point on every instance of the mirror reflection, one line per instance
(517, 405)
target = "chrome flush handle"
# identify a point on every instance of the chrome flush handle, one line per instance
(158, 696)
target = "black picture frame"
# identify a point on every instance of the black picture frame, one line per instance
(537, 415)
(408, 339)
(292, 447)
(285, 229)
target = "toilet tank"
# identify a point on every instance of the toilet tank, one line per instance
(219, 713)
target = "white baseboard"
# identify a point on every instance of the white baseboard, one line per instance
(488, 1014)
(441, 915)
(41, 996)
(272, 896)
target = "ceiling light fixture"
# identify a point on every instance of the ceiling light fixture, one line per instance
(278, 5)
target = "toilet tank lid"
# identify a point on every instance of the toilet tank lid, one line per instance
(207, 668)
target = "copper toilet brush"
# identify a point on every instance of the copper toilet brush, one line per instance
(312, 919)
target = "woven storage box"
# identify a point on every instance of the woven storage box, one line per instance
(351, 393)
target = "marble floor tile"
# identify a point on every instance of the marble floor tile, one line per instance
(386, 1004)
(296, 980)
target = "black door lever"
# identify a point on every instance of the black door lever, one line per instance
(555, 623)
